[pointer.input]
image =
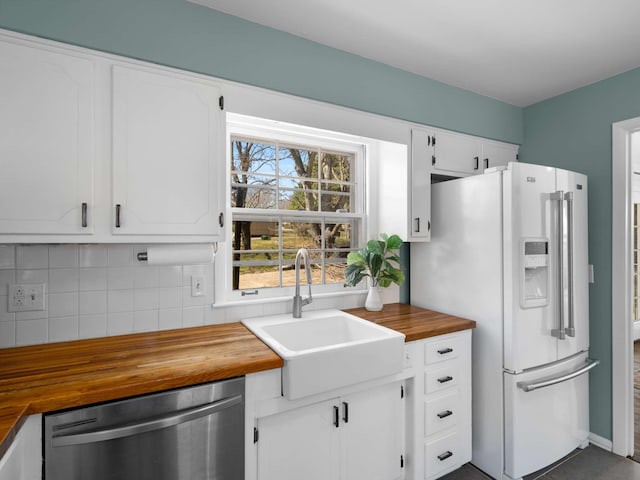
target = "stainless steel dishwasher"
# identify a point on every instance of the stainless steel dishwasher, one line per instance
(194, 433)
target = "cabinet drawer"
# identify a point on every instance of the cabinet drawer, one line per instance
(446, 349)
(441, 377)
(441, 454)
(441, 412)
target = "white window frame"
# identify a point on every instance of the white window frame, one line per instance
(251, 127)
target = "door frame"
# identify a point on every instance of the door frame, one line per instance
(621, 281)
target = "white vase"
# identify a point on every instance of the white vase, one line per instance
(373, 302)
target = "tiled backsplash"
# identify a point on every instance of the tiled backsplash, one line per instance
(102, 290)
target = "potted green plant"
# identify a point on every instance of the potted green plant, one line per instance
(380, 262)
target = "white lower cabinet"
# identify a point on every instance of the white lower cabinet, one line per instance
(443, 403)
(415, 426)
(23, 460)
(355, 436)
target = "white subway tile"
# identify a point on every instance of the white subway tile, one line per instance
(253, 310)
(189, 301)
(170, 297)
(93, 255)
(32, 276)
(63, 304)
(170, 276)
(63, 328)
(7, 256)
(214, 316)
(120, 255)
(92, 326)
(91, 303)
(32, 256)
(236, 313)
(275, 308)
(119, 278)
(119, 323)
(169, 318)
(7, 334)
(189, 271)
(145, 299)
(92, 278)
(145, 277)
(120, 301)
(63, 256)
(32, 332)
(145, 321)
(192, 316)
(63, 280)
(5, 314)
(7, 277)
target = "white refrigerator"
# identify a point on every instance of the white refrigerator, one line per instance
(509, 250)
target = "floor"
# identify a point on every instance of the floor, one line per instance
(592, 463)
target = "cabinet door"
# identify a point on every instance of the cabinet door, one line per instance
(496, 154)
(374, 433)
(46, 141)
(299, 444)
(457, 153)
(421, 153)
(167, 154)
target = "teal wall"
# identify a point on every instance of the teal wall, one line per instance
(195, 38)
(573, 131)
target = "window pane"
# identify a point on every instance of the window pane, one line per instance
(253, 167)
(252, 197)
(300, 234)
(336, 166)
(337, 200)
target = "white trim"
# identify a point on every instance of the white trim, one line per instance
(601, 442)
(621, 326)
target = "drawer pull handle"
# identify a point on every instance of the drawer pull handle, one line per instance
(336, 416)
(444, 351)
(446, 379)
(445, 414)
(445, 455)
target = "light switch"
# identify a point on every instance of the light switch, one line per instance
(197, 286)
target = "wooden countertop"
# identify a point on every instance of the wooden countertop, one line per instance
(55, 376)
(43, 378)
(415, 322)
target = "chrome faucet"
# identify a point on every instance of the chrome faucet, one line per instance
(298, 301)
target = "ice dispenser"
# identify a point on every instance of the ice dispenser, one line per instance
(535, 273)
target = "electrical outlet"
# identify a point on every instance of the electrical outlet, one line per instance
(26, 297)
(197, 286)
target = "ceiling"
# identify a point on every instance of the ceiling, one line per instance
(517, 51)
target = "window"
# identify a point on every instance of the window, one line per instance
(292, 190)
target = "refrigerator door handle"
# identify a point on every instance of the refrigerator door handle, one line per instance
(571, 327)
(531, 386)
(558, 196)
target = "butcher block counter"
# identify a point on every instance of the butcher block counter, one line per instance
(55, 376)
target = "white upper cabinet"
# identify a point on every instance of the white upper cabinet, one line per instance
(495, 154)
(46, 142)
(420, 206)
(101, 149)
(165, 154)
(456, 153)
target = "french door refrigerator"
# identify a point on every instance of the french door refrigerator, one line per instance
(509, 250)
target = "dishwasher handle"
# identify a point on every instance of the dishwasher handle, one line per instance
(147, 425)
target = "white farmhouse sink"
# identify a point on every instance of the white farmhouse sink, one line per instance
(328, 349)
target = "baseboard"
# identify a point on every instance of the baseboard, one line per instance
(601, 442)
